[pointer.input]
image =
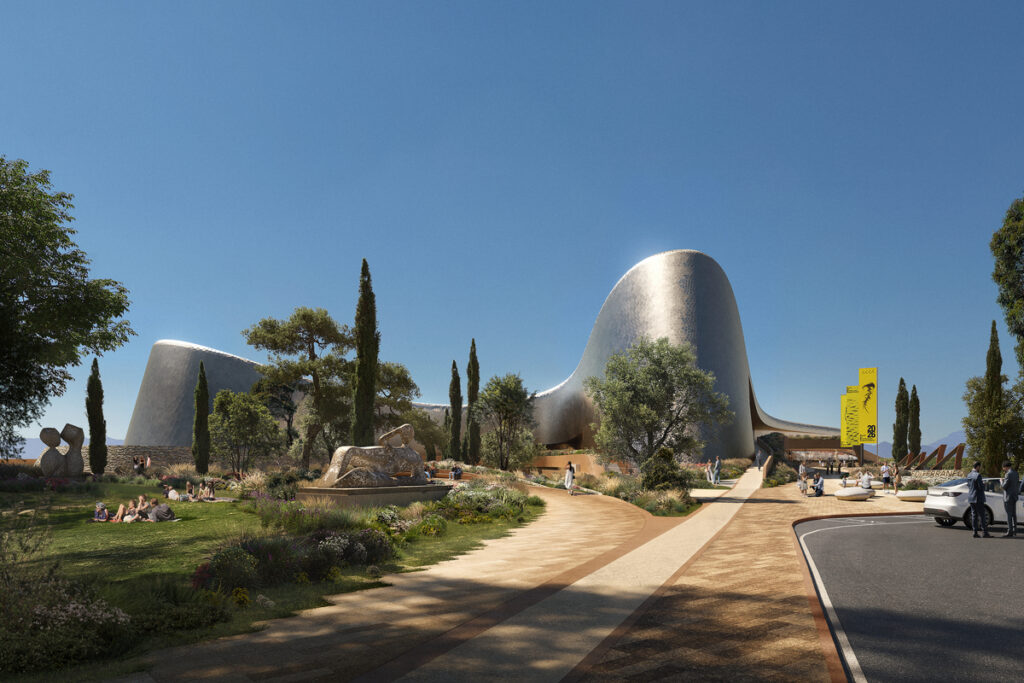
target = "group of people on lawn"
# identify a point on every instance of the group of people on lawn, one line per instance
(143, 510)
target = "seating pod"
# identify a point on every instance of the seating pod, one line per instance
(914, 496)
(854, 493)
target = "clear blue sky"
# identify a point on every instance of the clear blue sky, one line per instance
(501, 165)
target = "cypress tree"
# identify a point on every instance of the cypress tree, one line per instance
(97, 423)
(201, 423)
(446, 446)
(914, 423)
(992, 449)
(455, 400)
(899, 428)
(367, 346)
(472, 392)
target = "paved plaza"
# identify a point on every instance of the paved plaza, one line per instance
(595, 589)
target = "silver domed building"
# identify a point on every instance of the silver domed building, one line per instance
(683, 295)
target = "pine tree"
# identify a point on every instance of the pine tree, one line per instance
(472, 392)
(914, 423)
(899, 428)
(97, 423)
(455, 400)
(367, 348)
(201, 423)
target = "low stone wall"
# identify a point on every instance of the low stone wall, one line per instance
(933, 476)
(119, 458)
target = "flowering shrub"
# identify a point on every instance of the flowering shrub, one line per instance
(431, 525)
(377, 544)
(334, 575)
(240, 596)
(264, 601)
(54, 623)
(302, 578)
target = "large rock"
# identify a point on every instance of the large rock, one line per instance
(372, 466)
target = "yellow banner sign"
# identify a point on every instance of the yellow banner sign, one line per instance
(868, 398)
(850, 431)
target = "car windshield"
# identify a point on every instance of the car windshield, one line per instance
(954, 482)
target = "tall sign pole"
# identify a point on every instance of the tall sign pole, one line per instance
(867, 394)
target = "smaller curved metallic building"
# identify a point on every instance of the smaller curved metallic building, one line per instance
(164, 407)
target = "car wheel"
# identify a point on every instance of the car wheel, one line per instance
(945, 521)
(969, 523)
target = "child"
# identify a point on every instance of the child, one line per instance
(101, 514)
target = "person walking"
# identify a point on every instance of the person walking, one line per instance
(1011, 492)
(976, 499)
(897, 479)
(717, 470)
(570, 477)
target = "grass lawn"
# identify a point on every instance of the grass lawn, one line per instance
(125, 561)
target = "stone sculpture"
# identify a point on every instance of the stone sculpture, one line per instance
(375, 466)
(75, 436)
(52, 462)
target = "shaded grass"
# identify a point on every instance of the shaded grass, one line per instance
(123, 561)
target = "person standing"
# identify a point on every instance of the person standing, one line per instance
(976, 499)
(1011, 492)
(886, 477)
(717, 470)
(570, 477)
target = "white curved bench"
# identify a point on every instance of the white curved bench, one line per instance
(854, 493)
(914, 496)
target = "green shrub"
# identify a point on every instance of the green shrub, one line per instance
(431, 525)
(781, 474)
(662, 473)
(171, 606)
(914, 485)
(536, 500)
(278, 558)
(233, 568)
(301, 518)
(377, 544)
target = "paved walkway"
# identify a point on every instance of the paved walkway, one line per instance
(594, 589)
(745, 609)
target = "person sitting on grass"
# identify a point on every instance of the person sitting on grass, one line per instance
(101, 514)
(160, 512)
(190, 491)
(130, 514)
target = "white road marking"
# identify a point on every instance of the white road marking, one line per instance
(856, 673)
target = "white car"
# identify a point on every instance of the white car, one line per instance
(947, 503)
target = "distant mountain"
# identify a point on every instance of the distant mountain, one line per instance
(951, 440)
(33, 448)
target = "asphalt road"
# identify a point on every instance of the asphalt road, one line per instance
(918, 602)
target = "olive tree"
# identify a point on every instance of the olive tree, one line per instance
(653, 394)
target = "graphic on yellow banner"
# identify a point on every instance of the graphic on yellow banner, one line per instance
(850, 431)
(868, 397)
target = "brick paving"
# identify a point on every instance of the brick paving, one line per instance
(741, 611)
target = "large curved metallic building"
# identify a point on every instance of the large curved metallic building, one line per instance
(683, 295)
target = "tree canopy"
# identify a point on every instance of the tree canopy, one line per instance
(242, 430)
(310, 343)
(51, 312)
(507, 407)
(654, 395)
(899, 427)
(1007, 247)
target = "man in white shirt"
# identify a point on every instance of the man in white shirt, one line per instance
(886, 477)
(865, 480)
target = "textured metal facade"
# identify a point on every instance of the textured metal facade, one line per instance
(683, 295)
(164, 407)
